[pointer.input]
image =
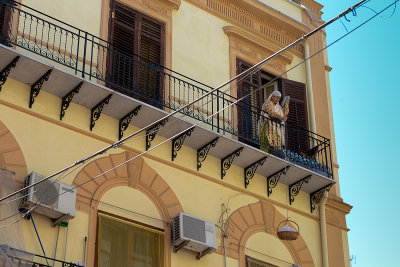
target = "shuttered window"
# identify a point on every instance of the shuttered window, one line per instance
(136, 36)
(248, 109)
(4, 18)
(297, 137)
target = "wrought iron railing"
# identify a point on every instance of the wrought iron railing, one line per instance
(14, 257)
(96, 59)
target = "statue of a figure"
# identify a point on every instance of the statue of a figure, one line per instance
(271, 122)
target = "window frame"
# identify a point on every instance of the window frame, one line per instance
(128, 221)
(261, 262)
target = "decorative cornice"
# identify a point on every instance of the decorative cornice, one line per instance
(314, 7)
(258, 43)
(341, 206)
(171, 4)
(259, 19)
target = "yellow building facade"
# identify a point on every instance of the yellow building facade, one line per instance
(134, 62)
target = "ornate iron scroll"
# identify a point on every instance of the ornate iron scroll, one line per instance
(177, 143)
(96, 111)
(152, 132)
(315, 197)
(203, 152)
(227, 161)
(37, 86)
(124, 121)
(273, 179)
(6, 71)
(66, 100)
(250, 170)
(295, 188)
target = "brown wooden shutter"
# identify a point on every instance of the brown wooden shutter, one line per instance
(150, 51)
(248, 108)
(4, 21)
(136, 36)
(122, 37)
(297, 138)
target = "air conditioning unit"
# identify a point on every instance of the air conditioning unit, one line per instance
(56, 200)
(194, 234)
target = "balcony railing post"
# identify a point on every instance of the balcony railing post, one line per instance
(91, 59)
(84, 55)
(218, 108)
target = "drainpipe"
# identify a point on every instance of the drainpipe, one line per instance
(310, 97)
(324, 239)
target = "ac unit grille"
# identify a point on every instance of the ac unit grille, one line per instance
(47, 193)
(176, 230)
(194, 229)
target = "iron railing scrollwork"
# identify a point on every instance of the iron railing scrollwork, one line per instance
(95, 59)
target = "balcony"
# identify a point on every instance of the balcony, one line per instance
(14, 257)
(44, 43)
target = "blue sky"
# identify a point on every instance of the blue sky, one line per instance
(366, 109)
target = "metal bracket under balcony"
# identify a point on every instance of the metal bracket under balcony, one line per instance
(202, 152)
(295, 188)
(250, 170)
(96, 111)
(126, 120)
(66, 100)
(37, 86)
(273, 179)
(152, 132)
(227, 161)
(29, 68)
(6, 71)
(315, 197)
(177, 143)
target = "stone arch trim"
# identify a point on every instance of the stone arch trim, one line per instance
(11, 156)
(136, 174)
(261, 217)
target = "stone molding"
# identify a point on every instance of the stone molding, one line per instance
(11, 156)
(257, 49)
(259, 19)
(136, 174)
(261, 217)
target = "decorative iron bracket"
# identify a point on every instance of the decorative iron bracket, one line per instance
(124, 121)
(250, 170)
(6, 71)
(295, 188)
(37, 86)
(66, 100)
(177, 143)
(152, 132)
(273, 179)
(96, 111)
(203, 152)
(315, 197)
(227, 161)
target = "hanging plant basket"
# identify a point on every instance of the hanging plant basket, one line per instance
(287, 232)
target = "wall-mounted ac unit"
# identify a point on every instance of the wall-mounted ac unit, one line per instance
(193, 233)
(56, 200)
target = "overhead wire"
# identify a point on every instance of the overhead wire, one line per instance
(235, 102)
(322, 49)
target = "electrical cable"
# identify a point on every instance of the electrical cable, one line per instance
(181, 109)
(232, 243)
(340, 38)
(191, 127)
(117, 207)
